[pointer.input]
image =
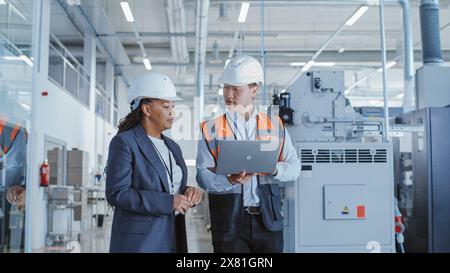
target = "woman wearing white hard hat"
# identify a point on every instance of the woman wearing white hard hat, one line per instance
(146, 174)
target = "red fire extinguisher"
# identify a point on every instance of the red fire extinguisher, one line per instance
(44, 174)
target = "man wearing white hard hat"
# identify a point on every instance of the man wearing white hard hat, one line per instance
(245, 208)
(146, 174)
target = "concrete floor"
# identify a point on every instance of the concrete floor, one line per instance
(97, 239)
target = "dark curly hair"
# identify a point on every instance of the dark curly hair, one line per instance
(133, 118)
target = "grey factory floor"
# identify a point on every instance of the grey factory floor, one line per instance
(97, 239)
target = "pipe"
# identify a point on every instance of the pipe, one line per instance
(182, 29)
(409, 98)
(429, 26)
(176, 19)
(139, 41)
(383, 60)
(262, 48)
(171, 29)
(200, 50)
(182, 41)
(235, 40)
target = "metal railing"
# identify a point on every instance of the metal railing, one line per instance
(102, 103)
(66, 72)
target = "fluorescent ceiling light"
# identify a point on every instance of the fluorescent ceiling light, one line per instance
(320, 64)
(12, 58)
(307, 66)
(357, 15)
(243, 13)
(294, 64)
(26, 59)
(147, 64)
(127, 11)
(324, 64)
(389, 65)
(372, 2)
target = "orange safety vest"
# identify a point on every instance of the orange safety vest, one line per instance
(266, 129)
(8, 143)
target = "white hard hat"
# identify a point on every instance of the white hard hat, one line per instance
(242, 70)
(151, 85)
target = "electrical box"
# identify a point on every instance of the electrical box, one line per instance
(345, 202)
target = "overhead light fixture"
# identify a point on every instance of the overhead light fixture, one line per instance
(341, 50)
(372, 2)
(389, 65)
(243, 13)
(321, 64)
(147, 64)
(399, 96)
(26, 59)
(12, 58)
(357, 15)
(324, 64)
(307, 66)
(2, 2)
(296, 64)
(310, 64)
(127, 11)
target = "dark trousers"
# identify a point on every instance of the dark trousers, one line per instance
(252, 237)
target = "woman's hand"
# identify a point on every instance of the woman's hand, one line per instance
(180, 203)
(194, 195)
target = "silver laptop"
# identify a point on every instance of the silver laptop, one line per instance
(251, 156)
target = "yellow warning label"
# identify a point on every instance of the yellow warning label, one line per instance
(345, 210)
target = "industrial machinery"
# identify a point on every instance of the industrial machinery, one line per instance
(61, 205)
(422, 177)
(344, 199)
(422, 156)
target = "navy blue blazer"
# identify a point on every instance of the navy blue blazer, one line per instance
(138, 188)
